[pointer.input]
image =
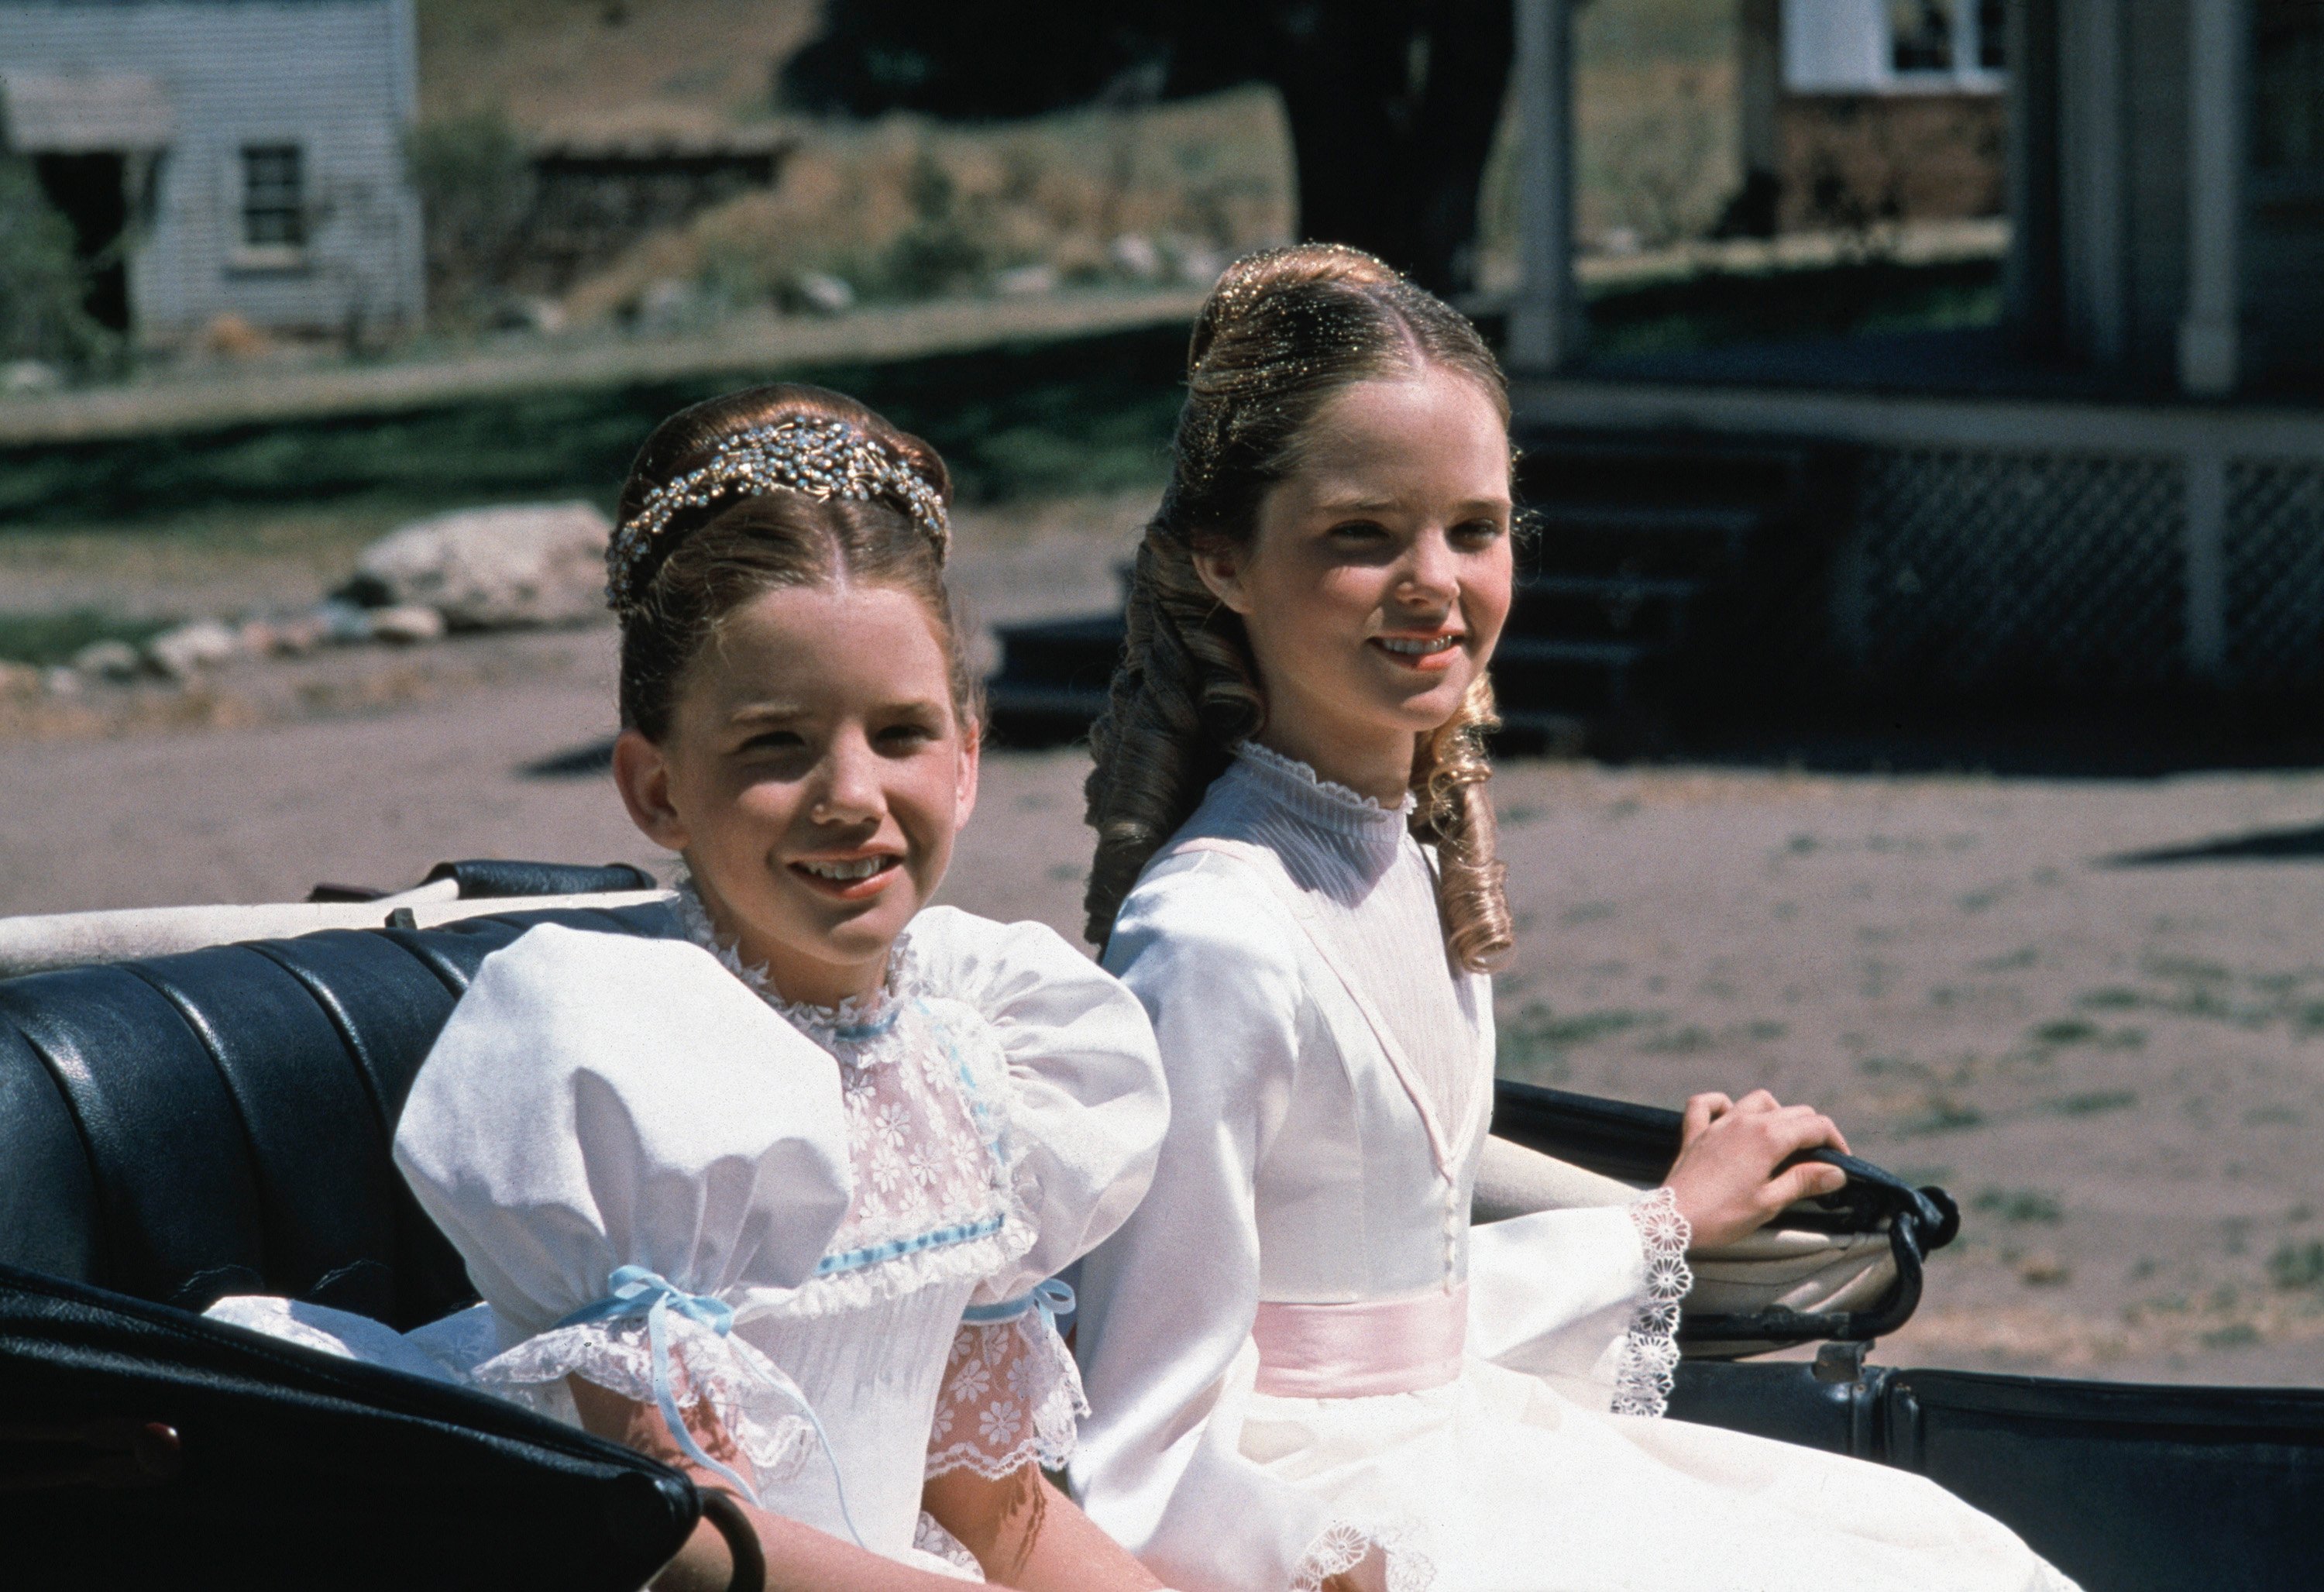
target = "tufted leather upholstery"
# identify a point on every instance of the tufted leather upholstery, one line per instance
(219, 1122)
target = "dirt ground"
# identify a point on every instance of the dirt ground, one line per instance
(2119, 1067)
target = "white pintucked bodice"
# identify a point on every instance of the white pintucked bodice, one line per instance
(1388, 1117)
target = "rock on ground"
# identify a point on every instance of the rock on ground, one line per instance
(533, 564)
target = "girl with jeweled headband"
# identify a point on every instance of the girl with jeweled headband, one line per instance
(775, 1198)
(1304, 1367)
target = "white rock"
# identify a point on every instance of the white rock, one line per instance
(822, 293)
(29, 376)
(1133, 253)
(1025, 281)
(110, 660)
(534, 564)
(185, 651)
(407, 626)
(63, 681)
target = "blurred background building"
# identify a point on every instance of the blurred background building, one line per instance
(217, 159)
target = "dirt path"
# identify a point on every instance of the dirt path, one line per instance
(2119, 1069)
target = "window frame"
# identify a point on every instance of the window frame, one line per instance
(244, 254)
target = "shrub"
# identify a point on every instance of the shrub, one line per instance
(42, 282)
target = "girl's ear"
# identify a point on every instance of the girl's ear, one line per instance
(1219, 565)
(642, 773)
(972, 757)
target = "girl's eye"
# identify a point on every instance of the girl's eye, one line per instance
(769, 740)
(1359, 531)
(1477, 533)
(907, 736)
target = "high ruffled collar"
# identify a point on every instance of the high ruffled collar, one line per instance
(851, 1030)
(1292, 785)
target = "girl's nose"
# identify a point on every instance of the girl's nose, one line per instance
(1432, 572)
(852, 790)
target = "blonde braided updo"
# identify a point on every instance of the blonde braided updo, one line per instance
(1282, 333)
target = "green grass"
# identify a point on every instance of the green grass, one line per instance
(1713, 309)
(44, 639)
(1091, 414)
(2020, 1205)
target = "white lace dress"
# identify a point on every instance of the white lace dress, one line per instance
(872, 1192)
(1301, 1358)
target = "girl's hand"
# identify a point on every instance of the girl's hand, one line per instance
(1725, 1180)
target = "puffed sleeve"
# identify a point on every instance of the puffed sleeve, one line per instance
(602, 1104)
(1087, 1108)
(1169, 1302)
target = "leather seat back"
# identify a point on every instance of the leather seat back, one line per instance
(220, 1122)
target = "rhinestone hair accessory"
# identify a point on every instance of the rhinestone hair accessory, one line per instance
(824, 458)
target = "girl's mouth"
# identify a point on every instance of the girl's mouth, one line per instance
(1430, 653)
(849, 878)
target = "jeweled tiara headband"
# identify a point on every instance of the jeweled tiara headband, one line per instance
(824, 458)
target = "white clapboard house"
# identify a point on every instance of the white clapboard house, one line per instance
(224, 158)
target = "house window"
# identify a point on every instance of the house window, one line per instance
(273, 199)
(1993, 36)
(1921, 36)
(2288, 86)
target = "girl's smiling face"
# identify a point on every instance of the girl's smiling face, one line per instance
(814, 775)
(1378, 579)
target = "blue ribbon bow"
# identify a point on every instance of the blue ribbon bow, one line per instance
(1053, 1298)
(637, 1292)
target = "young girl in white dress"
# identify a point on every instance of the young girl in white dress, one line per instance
(1306, 1368)
(775, 1199)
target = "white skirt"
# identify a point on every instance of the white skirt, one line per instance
(1496, 1482)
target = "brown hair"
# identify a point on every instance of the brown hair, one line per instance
(711, 559)
(1282, 333)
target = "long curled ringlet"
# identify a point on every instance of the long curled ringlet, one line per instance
(710, 561)
(1282, 333)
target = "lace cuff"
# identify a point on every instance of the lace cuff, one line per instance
(1011, 1396)
(618, 1356)
(1343, 1545)
(1649, 1353)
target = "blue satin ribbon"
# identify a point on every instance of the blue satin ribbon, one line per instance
(1052, 1299)
(637, 1292)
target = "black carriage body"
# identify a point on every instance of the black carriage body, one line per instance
(181, 1129)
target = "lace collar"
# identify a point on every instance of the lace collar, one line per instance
(852, 1029)
(1293, 784)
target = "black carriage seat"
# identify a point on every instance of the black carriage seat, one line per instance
(187, 1127)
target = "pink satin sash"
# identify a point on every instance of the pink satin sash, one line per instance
(1373, 1346)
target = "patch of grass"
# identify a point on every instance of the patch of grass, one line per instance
(2113, 999)
(1681, 1041)
(2092, 1102)
(2234, 1335)
(1884, 1066)
(1979, 900)
(1942, 1114)
(2297, 1265)
(45, 638)
(2273, 1115)
(2020, 1205)
(1533, 1047)
(1802, 845)
(1586, 912)
(2063, 1030)
(1764, 1031)
(2024, 956)
(1712, 309)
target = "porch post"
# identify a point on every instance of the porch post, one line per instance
(2219, 46)
(1544, 323)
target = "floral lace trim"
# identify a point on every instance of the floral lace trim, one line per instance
(850, 1030)
(1649, 1356)
(929, 1537)
(1343, 1545)
(1314, 784)
(704, 1365)
(1011, 1396)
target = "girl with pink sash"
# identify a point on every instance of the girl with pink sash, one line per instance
(1306, 1368)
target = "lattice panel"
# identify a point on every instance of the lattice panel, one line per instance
(1986, 569)
(2274, 550)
